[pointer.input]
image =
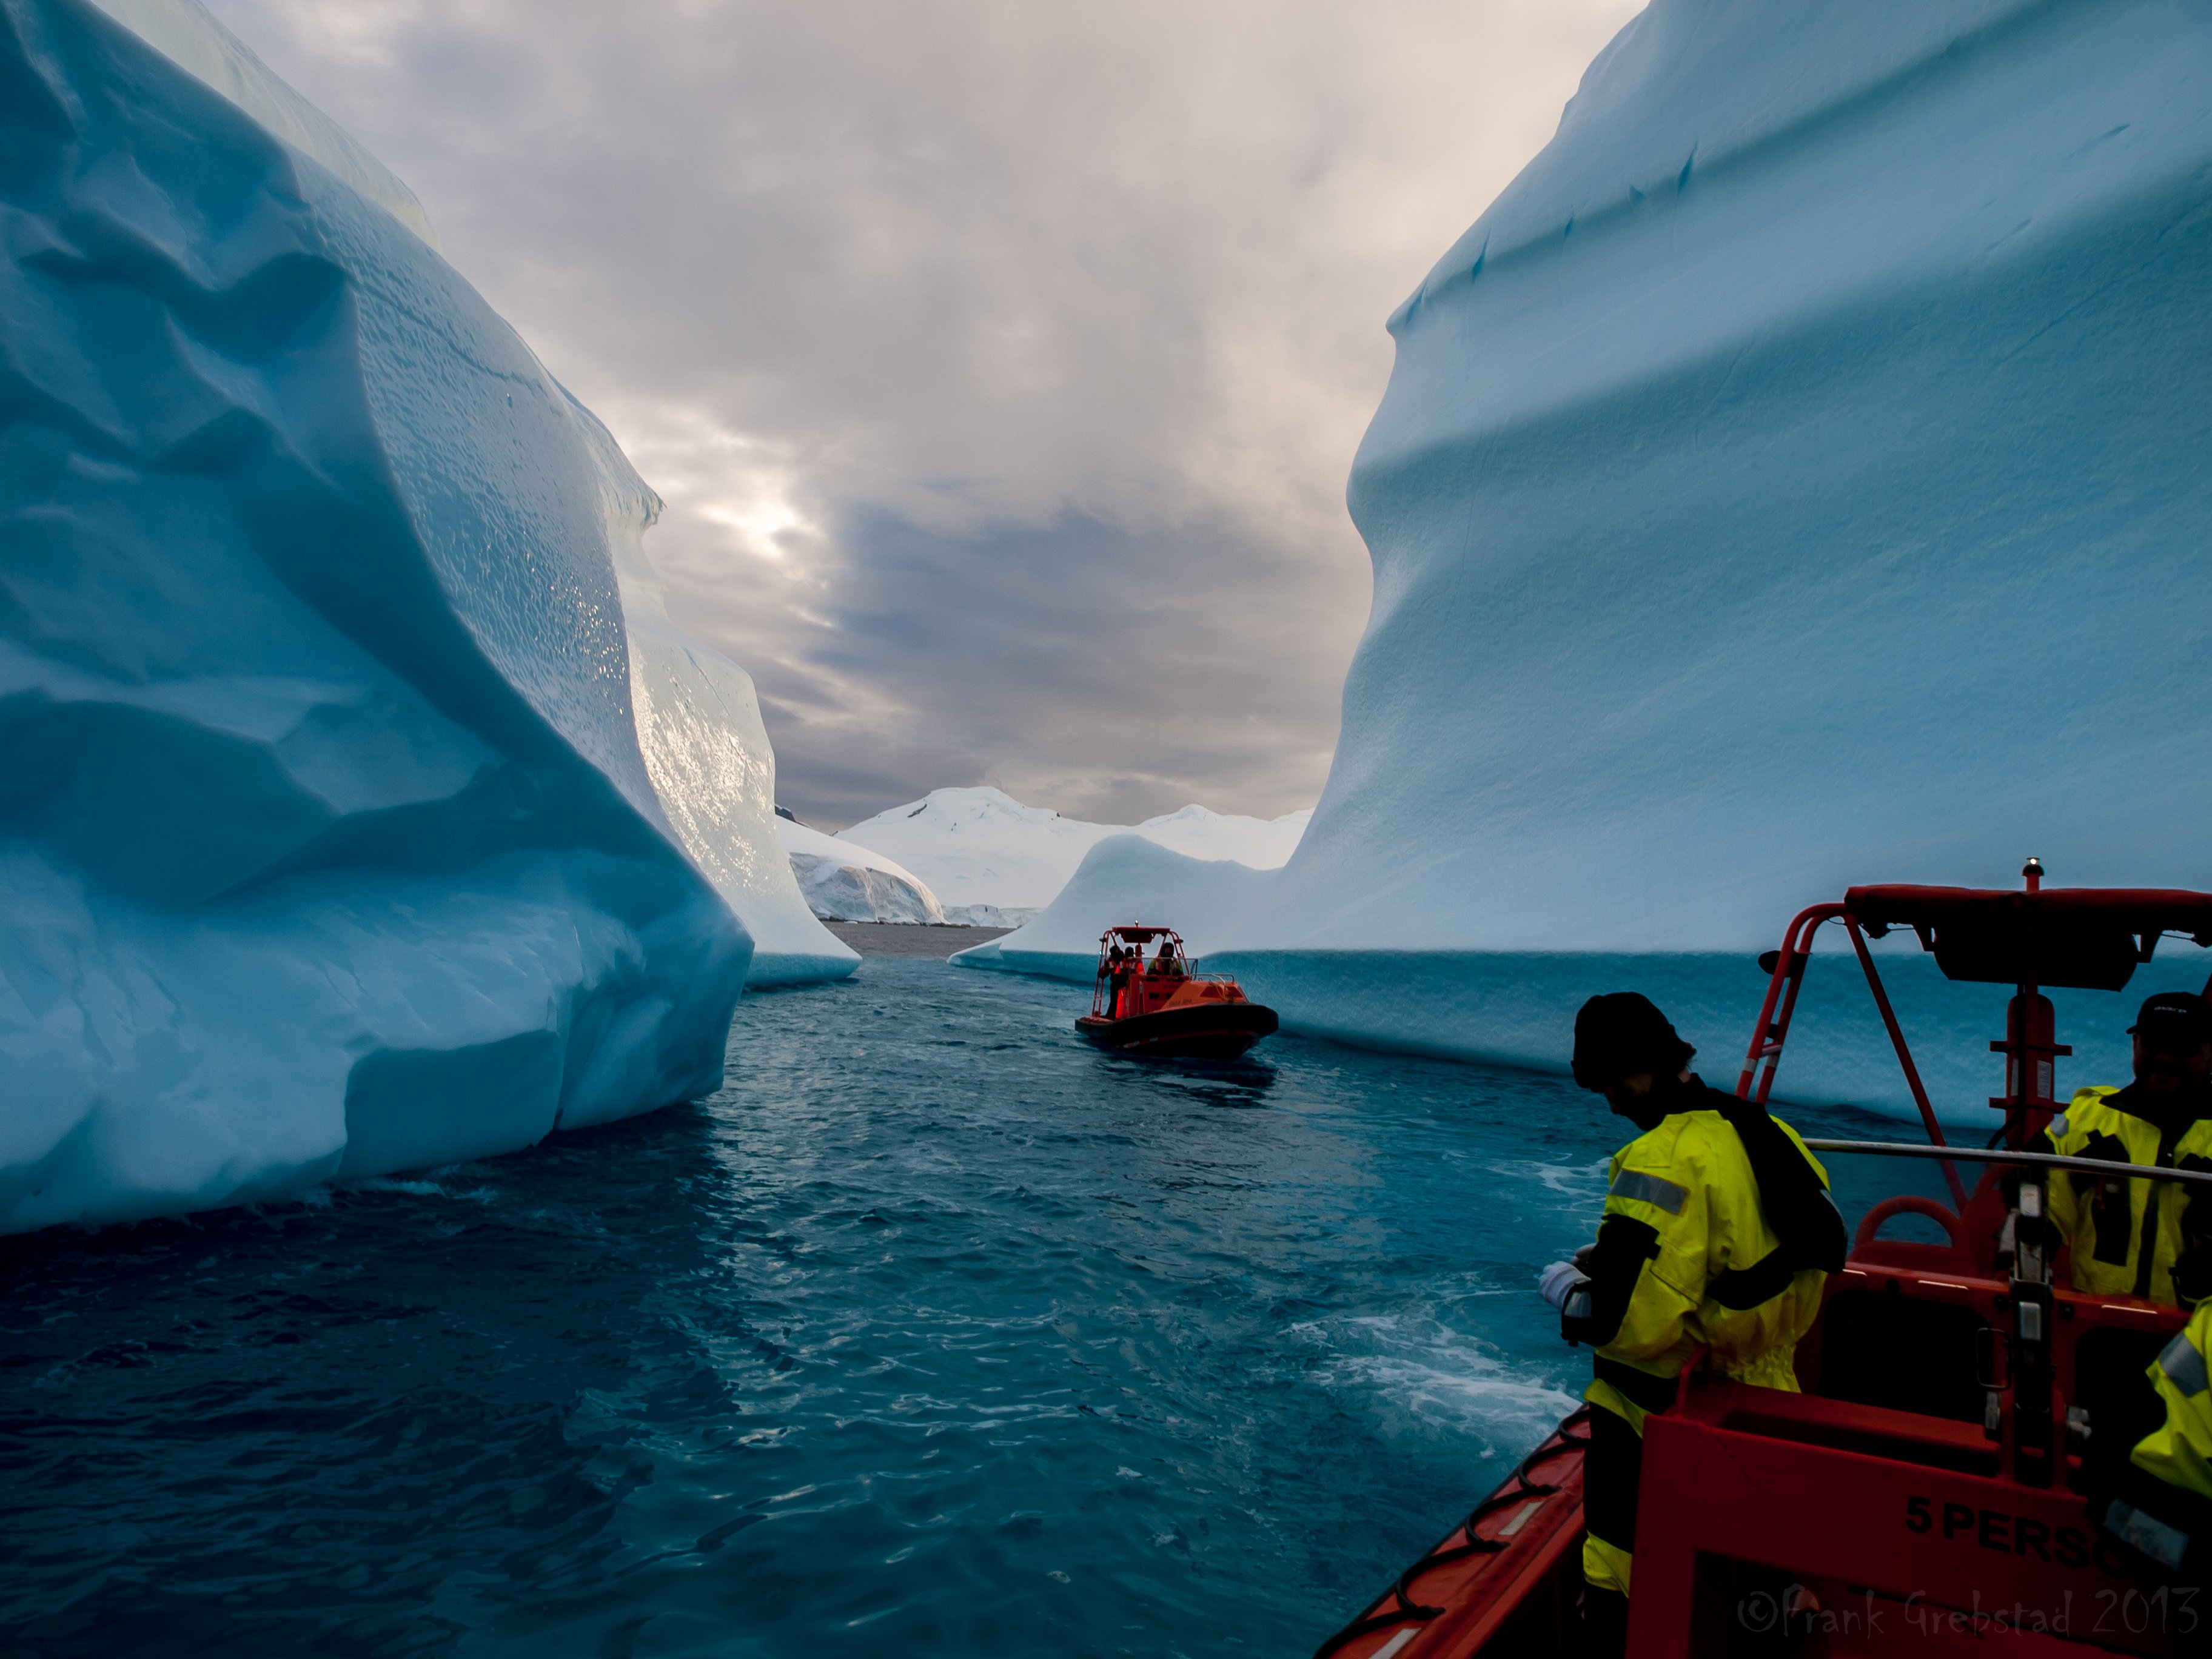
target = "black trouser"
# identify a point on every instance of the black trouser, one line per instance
(1612, 1479)
(2112, 1382)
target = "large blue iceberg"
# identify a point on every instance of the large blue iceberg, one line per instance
(1796, 478)
(328, 844)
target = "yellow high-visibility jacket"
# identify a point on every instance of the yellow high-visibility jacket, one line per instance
(2165, 1499)
(2108, 1223)
(1683, 1197)
(2180, 1453)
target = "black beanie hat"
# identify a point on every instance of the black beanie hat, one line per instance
(1620, 1033)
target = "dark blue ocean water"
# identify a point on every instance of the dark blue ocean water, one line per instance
(935, 1333)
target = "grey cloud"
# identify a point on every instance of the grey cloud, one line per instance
(1137, 709)
(1001, 363)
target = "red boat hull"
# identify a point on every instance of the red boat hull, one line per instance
(1504, 1583)
(1202, 1030)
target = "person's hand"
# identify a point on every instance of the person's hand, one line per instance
(1586, 1258)
(1559, 1281)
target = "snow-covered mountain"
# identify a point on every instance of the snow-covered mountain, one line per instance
(1797, 476)
(987, 856)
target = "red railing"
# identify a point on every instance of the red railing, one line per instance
(1781, 1003)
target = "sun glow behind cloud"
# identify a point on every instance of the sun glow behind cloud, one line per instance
(707, 475)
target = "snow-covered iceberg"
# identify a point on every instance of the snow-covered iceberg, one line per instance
(327, 845)
(845, 883)
(1129, 877)
(989, 859)
(1795, 478)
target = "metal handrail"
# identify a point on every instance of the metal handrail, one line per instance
(2095, 1166)
(1204, 979)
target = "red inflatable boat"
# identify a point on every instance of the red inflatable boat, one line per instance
(1157, 1007)
(1924, 1487)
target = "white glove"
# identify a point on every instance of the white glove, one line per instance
(1559, 1281)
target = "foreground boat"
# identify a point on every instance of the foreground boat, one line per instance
(1159, 1009)
(1924, 1493)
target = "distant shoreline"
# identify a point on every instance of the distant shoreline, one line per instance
(906, 938)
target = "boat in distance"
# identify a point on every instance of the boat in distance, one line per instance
(1157, 1009)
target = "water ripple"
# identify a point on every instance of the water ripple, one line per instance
(935, 1333)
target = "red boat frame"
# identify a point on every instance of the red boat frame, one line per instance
(1138, 935)
(1917, 1533)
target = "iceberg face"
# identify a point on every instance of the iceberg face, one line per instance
(707, 753)
(845, 883)
(1793, 479)
(326, 843)
(1796, 478)
(984, 854)
(184, 32)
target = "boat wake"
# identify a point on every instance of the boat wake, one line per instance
(1440, 1376)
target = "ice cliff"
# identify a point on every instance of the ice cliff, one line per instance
(1795, 478)
(845, 883)
(327, 842)
(713, 771)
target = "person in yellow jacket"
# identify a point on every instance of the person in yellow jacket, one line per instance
(2142, 1238)
(1717, 1232)
(2158, 1505)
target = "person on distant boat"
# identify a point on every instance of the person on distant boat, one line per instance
(1165, 964)
(2142, 1238)
(1717, 1232)
(1117, 977)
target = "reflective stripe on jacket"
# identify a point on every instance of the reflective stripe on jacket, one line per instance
(2160, 1516)
(2180, 1453)
(1683, 1199)
(2107, 1222)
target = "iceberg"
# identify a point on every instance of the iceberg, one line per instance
(846, 883)
(328, 843)
(993, 916)
(713, 772)
(1794, 479)
(993, 861)
(1128, 879)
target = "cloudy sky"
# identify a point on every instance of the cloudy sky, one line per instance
(1000, 361)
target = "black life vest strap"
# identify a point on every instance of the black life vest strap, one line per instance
(1792, 1196)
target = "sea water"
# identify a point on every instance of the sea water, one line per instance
(936, 1332)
